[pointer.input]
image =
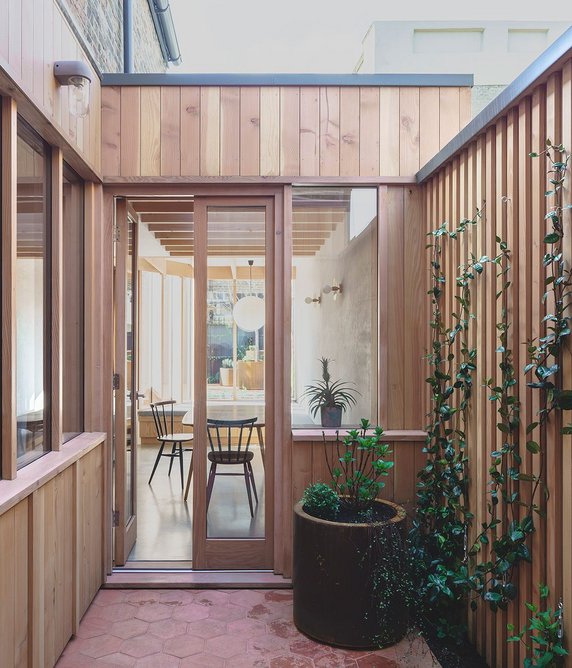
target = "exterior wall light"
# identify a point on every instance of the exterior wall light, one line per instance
(76, 74)
(336, 288)
(313, 300)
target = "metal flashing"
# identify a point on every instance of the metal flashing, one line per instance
(168, 79)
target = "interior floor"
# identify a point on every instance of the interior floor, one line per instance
(164, 527)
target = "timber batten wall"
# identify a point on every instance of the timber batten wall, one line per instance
(264, 131)
(493, 170)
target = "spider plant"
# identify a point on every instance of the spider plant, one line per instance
(326, 393)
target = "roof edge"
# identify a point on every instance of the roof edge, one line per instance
(539, 68)
(229, 79)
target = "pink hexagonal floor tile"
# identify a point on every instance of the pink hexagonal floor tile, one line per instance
(376, 661)
(267, 612)
(191, 612)
(114, 612)
(226, 613)
(109, 596)
(207, 628)
(141, 596)
(159, 661)
(249, 660)
(211, 597)
(246, 597)
(177, 597)
(226, 646)
(284, 628)
(247, 628)
(168, 628)
(76, 661)
(268, 644)
(202, 660)
(95, 647)
(335, 660)
(183, 646)
(279, 596)
(129, 628)
(116, 659)
(94, 626)
(153, 612)
(290, 661)
(141, 646)
(309, 648)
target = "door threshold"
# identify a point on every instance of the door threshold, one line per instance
(187, 579)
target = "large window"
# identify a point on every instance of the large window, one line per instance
(32, 288)
(334, 300)
(72, 306)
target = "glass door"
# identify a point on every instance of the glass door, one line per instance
(125, 383)
(233, 409)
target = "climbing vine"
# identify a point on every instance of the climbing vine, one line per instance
(449, 570)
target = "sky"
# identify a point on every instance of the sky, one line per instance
(314, 35)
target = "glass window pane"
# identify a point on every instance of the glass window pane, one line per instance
(72, 306)
(32, 299)
(235, 371)
(334, 304)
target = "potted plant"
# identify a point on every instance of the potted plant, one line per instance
(226, 372)
(350, 555)
(330, 398)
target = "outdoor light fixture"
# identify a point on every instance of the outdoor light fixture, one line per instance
(76, 74)
(248, 312)
(336, 288)
(313, 300)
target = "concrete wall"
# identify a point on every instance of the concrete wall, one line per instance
(495, 52)
(342, 329)
(100, 24)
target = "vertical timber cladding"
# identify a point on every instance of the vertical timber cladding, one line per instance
(34, 34)
(210, 131)
(494, 167)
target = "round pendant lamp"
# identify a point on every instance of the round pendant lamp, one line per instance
(249, 311)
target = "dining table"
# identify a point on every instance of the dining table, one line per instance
(229, 412)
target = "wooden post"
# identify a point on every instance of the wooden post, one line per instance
(9, 169)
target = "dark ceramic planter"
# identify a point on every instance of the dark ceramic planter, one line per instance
(331, 416)
(332, 582)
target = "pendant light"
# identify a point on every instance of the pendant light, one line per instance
(248, 312)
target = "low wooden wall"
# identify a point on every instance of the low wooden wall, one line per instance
(51, 542)
(494, 167)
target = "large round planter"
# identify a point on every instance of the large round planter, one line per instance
(331, 577)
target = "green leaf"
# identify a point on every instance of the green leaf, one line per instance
(552, 238)
(564, 400)
(532, 446)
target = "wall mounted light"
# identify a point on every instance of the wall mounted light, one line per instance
(76, 74)
(313, 300)
(336, 288)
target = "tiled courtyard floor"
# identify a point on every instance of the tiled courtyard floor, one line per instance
(213, 628)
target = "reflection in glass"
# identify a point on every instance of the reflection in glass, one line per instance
(72, 306)
(334, 296)
(130, 397)
(235, 371)
(32, 298)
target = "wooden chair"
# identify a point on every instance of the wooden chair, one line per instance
(224, 451)
(164, 418)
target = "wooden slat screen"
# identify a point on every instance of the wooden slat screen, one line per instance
(495, 168)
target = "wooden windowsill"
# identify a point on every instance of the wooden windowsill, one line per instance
(315, 434)
(45, 468)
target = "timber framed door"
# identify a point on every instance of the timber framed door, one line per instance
(125, 289)
(233, 254)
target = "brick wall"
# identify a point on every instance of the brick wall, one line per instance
(100, 26)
